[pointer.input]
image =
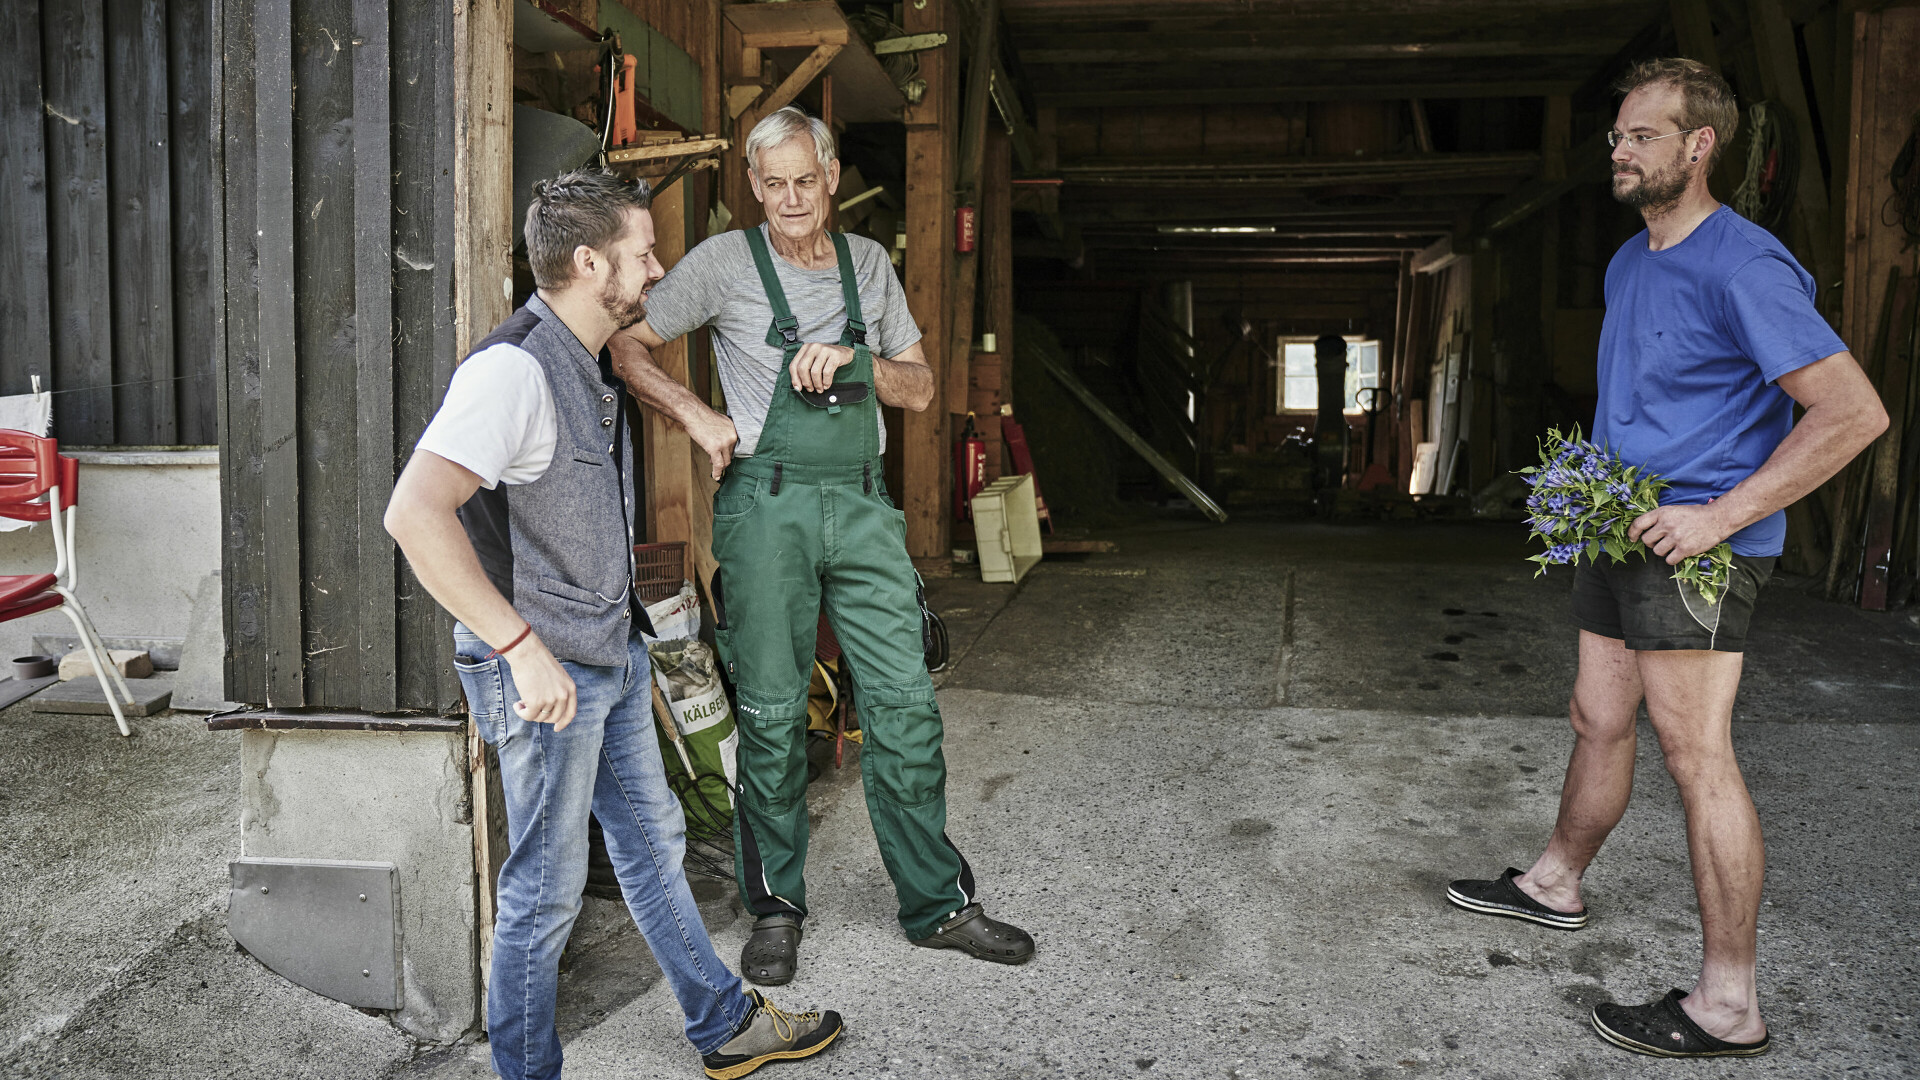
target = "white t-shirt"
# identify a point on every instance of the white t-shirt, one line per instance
(498, 418)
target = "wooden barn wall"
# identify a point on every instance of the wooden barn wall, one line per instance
(107, 232)
(339, 340)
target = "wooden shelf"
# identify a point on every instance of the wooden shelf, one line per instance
(788, 32)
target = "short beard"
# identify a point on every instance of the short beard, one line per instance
(622, 311)
(1657, 192)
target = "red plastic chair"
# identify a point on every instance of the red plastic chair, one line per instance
(38, 483)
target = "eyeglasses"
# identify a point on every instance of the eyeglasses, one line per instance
(1634, 142)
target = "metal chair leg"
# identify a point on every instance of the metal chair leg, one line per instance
(99, 643)
(100, 666)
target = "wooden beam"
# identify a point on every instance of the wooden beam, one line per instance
(1228, 52)
(1693, 32)
(908, 43)
(925, 457)
(1256, 95)
(1583, 162)
(672, 148)
(789, 88)
(1422, 131)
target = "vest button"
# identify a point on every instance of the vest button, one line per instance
(609, 448)
(606, 421)
(608, 398)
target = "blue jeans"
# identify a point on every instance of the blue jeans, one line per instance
(607, 760)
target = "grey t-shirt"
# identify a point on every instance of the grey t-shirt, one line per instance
(716, 285)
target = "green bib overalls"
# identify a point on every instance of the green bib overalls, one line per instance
(806, 520)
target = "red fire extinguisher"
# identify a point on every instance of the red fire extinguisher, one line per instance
(969, 470)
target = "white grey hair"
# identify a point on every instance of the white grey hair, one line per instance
(777, 127)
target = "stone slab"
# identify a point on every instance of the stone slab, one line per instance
(150, 696)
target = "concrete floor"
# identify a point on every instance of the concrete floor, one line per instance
(1223, 775)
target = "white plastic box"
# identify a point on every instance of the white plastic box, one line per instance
(1006, 527)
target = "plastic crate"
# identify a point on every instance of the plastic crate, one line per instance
(659, 570)
(1006, 528)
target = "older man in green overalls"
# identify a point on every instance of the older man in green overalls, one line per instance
(801, 520)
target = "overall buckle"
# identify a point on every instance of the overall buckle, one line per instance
(856, 332)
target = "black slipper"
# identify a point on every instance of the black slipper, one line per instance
(970, 930)
(773, 951)
(1663, 1029)
(1503, 897)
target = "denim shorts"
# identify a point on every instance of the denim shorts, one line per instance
(1638, 602)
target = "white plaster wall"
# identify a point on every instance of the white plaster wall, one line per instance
(148, 534)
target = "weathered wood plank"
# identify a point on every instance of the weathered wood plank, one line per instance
(373, 349)
(25, 329)
(139, 220)
(278, 388)
(243, 554)
(327, 380)
(423, 225)
(195, 220)
(926, 462)
(74, 83)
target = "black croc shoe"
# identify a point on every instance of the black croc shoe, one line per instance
(1663, 1029)
(1503, 896)
(773, 951)
(969, 929)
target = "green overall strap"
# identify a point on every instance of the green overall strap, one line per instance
(784, 333)
(855, 333)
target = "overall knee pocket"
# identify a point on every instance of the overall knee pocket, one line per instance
(903, 734)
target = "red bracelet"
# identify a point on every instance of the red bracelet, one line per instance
(510, 644)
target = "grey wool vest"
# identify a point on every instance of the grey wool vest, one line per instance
(561, 548)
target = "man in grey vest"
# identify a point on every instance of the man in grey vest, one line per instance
(516, 513)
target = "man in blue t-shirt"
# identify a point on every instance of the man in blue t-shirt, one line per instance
(1710, 337)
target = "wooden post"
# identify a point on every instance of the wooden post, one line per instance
(1886, 50)
(926, 460)
(1479, 371)
(996, 289)
(483, 162)
(669, 452)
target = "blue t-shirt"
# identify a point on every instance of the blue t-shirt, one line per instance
(1693, 339)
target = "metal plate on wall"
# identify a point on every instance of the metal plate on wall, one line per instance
(332, 927)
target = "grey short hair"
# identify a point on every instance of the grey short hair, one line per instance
(777, 127)
(585, 206)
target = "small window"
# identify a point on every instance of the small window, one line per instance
(1300, 386)
(1363, 373)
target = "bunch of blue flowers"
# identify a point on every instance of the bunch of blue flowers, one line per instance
(1584, 500)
